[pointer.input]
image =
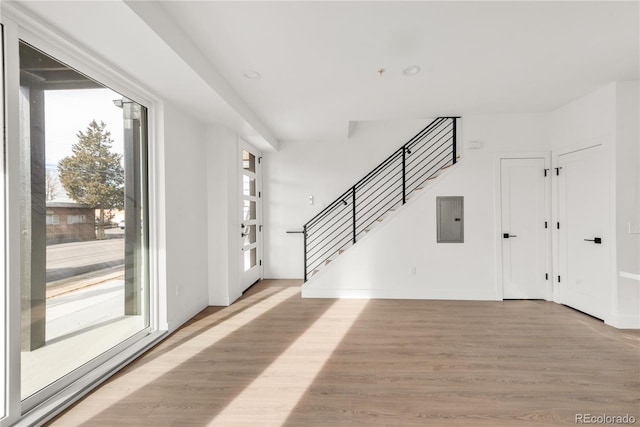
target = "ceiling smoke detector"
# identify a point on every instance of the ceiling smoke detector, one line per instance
(411, 71)
(252, 74)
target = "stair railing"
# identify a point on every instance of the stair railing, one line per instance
(385, 188)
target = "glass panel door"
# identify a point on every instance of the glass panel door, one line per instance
(84, 277)
(251, 230)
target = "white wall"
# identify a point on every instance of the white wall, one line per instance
(223, 216)
(381, 263)
(627, 303)
(186, 215)
(610, 116)
(324, 170)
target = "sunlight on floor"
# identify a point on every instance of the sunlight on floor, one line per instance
(275, 393)
(237, 316)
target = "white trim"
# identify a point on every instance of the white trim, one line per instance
(60, 401)
(308, 291)
(623, 322)
(3, 302)
(20, 26)
(12, 201)
(46, 38)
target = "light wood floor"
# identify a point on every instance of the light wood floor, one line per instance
(275, 359)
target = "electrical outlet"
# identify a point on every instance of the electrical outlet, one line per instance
(634, 228)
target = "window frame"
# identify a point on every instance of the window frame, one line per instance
(19, 26)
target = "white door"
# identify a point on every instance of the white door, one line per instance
(582, 241)
(250, 232)
(524, 243)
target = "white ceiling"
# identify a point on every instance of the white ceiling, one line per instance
(319, 60)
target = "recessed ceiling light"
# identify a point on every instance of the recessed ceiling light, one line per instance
(252, 74)
(411, 71)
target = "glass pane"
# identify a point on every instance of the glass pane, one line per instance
(249, 235)
(249, 210)
(2, 236)
(84, 273)
(248, 161)
(249, 259)
(248, 186)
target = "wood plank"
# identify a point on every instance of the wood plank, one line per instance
(400, 362)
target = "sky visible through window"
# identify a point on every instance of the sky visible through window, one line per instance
(70, 111)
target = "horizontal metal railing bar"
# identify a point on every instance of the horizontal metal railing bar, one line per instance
(318, 235)
(355, 210)
(431, 134)
(332, 249)
(432, 169)
(337, 202)
(423, 134)
(430, 172)
(396, 155)
(367, 214)
(386, 187)
(373, 218)
(389, 191)
(424, 159)
(368, 192)
(326, 248)
(335, 214)
(435, 122)
(443, 148)
(435, 141)
(397, 162)
(338, 231)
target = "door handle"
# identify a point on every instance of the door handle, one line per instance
(596, 240)
(507, 235)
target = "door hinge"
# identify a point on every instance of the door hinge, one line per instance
(545, 171)
(260, 228)
(558, 225)
(558, 279)
(558, 170)
(259, 159)
(260, 262)
(546, 276)
(259, 194)
(546, 225)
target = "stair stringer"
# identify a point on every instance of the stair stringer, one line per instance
(349, 274)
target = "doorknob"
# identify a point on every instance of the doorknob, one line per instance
(596, 240)
(507, 235)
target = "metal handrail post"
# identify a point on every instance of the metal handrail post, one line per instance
(304, 230)
(404, 175)
(354, 213)
(455, 141)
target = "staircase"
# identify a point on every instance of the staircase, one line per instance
(383, 190)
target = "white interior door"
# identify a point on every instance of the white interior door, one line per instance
(524, 243)
(250, 217)
(582, 241)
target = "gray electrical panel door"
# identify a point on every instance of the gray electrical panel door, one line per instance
(450, 219)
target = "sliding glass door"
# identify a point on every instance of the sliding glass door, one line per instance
(84, 282)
